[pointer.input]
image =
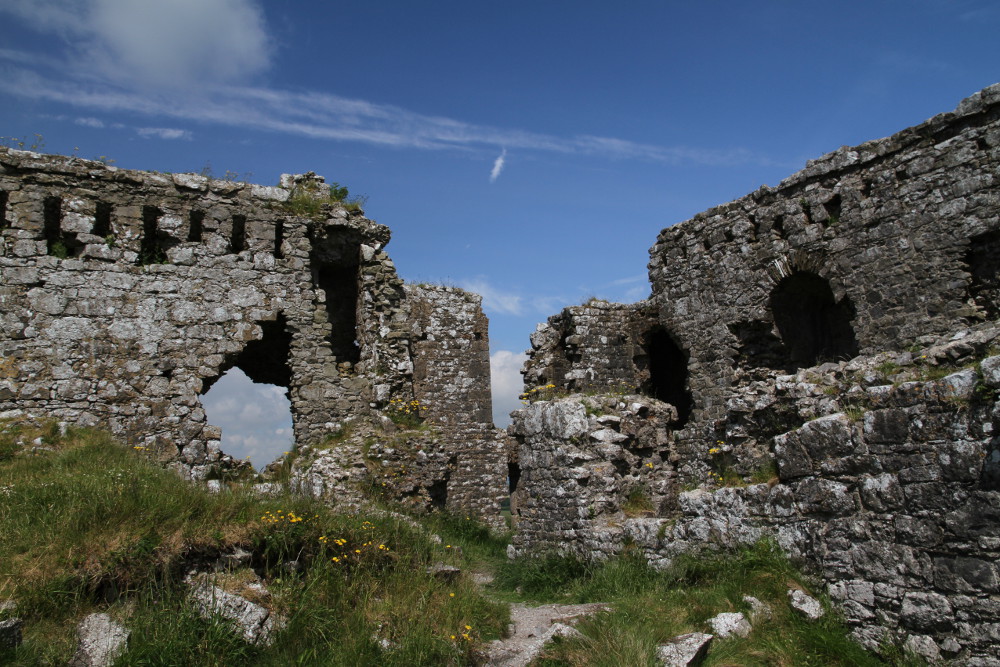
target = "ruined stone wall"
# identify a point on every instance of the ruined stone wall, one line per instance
(793, 338)
(895, 507)
(867, 249)
(124, 295)
(892, 503)
(451, 354)
(604, 334)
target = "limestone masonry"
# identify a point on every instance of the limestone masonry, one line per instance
(818, 364)
(126, 294)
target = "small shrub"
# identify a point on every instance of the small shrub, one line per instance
(24, 143)
(58, 249)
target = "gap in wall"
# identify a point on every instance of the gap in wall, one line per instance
(249, 398)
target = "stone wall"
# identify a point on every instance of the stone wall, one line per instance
(780, 381)
(125, 295)
(867, 249)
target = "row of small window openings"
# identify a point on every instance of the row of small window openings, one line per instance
(154, 243)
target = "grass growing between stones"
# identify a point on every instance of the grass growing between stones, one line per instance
(651, 607)
(89, 525)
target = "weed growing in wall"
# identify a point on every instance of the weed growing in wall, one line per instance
(309, 201)
(408, 414)
(541, 393)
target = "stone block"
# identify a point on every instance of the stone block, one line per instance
(805, 604)
(965, 575)
(100, 641)
(684, 650)
(926, 612)
(10, 633)
(730, 624)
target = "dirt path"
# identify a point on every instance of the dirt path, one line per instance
(531, 627)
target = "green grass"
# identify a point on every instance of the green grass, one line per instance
(95, 526)
(90, 525)
(651, 607)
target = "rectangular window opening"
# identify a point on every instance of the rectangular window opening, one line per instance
(195, 219)
(102, 220)
(238, 241)
(150, 248)
(3, 209)
(52, 226)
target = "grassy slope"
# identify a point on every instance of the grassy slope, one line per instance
(93, 526)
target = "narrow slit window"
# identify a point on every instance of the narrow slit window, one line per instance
(3, 209)
(195, 219)
(279, 238)
(238, 241)
(52, 226)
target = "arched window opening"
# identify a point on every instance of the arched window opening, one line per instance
(813, 325)
(249, 399)
(666, 367)
(983, 261)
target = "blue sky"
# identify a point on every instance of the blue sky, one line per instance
(529, 151)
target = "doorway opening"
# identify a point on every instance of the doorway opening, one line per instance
(667, 367)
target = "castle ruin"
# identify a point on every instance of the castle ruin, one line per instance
(819, 363)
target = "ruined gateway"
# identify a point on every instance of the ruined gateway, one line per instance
(817, 363)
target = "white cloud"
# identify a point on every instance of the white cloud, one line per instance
(163, 132)
(153, 44)
(90, 122)
(185, 59)
(256, 419)
(498, 166)
(505, 374)
(639, 277)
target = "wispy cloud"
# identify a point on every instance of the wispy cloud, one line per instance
(498, 166)
(90, 121)
(125, 56)
(629, 280)
(494, 300)
(163, 133)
